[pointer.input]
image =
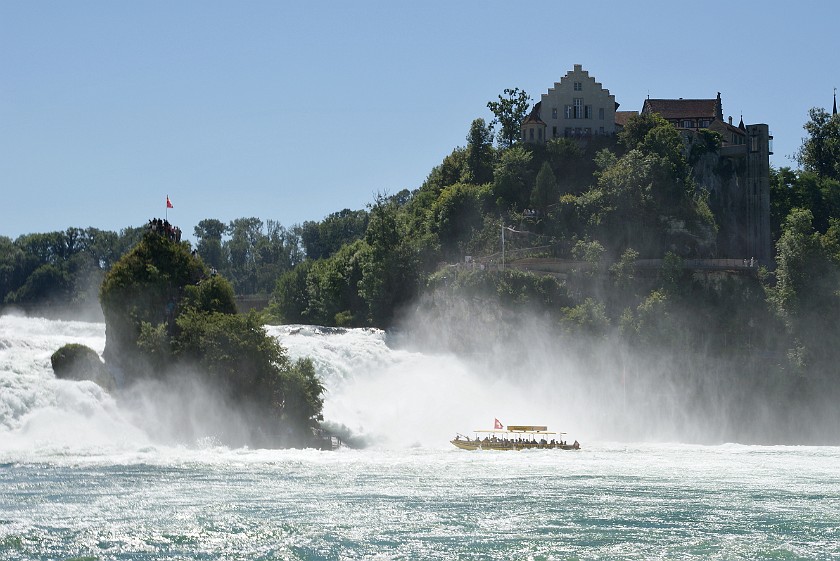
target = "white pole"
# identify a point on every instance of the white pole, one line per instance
(503, 246)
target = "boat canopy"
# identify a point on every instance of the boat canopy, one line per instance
(522, 429)
(528, 428)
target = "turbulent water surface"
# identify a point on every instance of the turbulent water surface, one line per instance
(86, 476)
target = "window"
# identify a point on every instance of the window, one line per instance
(539, 134)
(601, 113)
(554, 132)
(531, 134)
(553, 112)
(587, 132)
(578, 86)
(587, 112)
(568, 132)
(601, 130)
(704, 124)
(687, 124)
(578, 108)
(568, 112)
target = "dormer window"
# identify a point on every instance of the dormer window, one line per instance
(578, 86)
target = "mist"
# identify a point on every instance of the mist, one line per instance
(456, 365)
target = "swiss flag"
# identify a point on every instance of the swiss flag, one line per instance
(168, 202)
(498, 424)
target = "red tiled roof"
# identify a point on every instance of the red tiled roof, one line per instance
(622, 116)
(682, 108)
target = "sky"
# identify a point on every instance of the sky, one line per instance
(292, 110)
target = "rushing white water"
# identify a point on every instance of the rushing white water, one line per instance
(399, 398)
(84, 475)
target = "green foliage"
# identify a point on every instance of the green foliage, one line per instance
(331, 286)
(47, 282)
(249, 252)
(510, 288)
(74, 361)
(209, 233)
(637, 128)
(707, 142)
(167, 315)
(322, 239)
(806, 190)
(147, 284)
(510, 111)
(213, 294)
(478, 166)
(647, 198)
(290, 298)
(389, 264)
(236, 354)
(513, 178)
(457, 214)
(546, 191)
(820, 151)
(588, 317)
(59, 268)
(806, 293)
(651, 324)
(623, 271)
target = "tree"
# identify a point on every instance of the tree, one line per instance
(820, 152)
(637, 127)
(805, 295)
(457, 215)
(478, 167)
(289, 299)
(322, 239)
(546, 191)
(648, 199)
(209, 234)
(389, 264)
(513, 178)
(510, 111)
(791, 189)
(244, 235)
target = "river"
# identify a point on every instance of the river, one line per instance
(87, 476)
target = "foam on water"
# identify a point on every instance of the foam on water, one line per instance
(82, 475)
(400, 398)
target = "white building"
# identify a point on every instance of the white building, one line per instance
(576, 107)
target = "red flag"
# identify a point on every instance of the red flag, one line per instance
(498, 424)
(168, 202)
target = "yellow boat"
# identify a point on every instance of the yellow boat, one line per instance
(515, 437)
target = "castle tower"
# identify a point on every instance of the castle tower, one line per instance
(533, 128)
(759, 240)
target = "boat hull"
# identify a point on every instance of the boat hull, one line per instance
(509, 445)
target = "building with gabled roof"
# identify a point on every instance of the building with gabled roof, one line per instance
(742, 203)
(576, 107)
(736, 176)
(686, 113)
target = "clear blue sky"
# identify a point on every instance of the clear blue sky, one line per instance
(292, 110)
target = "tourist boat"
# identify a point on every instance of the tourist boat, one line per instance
(515, 437)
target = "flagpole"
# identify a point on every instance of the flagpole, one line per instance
(166, 212)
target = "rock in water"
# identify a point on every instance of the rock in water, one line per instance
(78, 362)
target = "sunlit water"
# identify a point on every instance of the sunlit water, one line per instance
(81, 476)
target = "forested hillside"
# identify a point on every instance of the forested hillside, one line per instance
(623, 215)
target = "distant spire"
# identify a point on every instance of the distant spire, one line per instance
(834, 112)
